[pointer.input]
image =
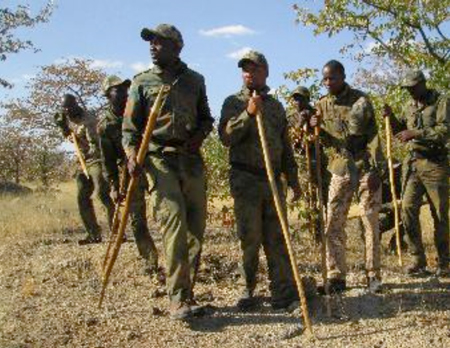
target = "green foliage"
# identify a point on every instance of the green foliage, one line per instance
(408, 32)
(13, 19)
(217, 167)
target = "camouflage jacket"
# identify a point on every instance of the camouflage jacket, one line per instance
(86, 133)
(110, 134)
(432, 122)
(185, 113)
(349, 131)
(238, 130)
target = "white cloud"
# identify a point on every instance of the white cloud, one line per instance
(96, 63)
(106, 64)
(239, 53)
(140, 66)
(27, 76)
(228, 31)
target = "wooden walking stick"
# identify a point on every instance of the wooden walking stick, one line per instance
(393, 191)
(311, 192)
(154, 113)
(79, 154)
(282, 218)
(116, 217)
(323, 246)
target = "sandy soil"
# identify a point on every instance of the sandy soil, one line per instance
(49, 290)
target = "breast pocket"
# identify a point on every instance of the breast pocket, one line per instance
(185, 99)
(429, 116)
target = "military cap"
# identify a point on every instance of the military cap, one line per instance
(255, 57)
(303, 91)
(165, 31)
(412, 78)
(113, 80)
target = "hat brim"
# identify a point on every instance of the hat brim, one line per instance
(246, 60)
(409, 85)
(148, 34)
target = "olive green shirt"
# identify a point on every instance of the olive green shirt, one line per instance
(238, 130)
(185, 113)
(431, 121)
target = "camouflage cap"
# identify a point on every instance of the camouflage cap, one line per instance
(255, 57)
(412, 78)
(303, 91)
(113, 80)
(166, 31)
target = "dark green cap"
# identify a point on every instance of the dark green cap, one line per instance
(254, 57)
(412, 78)
(113, 80)
(303, 91)
(166, 31)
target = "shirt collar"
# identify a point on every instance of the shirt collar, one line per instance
(248, 92)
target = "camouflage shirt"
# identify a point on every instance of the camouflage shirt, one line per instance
(349, 130)
(86, 132)
(185, 113)
(110, 134)
(431, 120)
(238, 130)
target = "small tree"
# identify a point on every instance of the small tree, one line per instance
(406, 32)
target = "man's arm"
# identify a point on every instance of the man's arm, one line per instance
(204, 121)
(133, 120)
(234, 121)
(62, 124)
(439, 132)
(110, 158)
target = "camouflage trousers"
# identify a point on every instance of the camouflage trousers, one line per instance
(258, 225)
(340, 196)
(86, 188)
(177, 186)
(138, 219)
(431, 179)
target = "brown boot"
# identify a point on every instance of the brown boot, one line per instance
(418, 267)
(180, 310)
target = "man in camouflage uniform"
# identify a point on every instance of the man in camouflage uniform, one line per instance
(298, 120)
(113, 157)
(174, 164)
(76, 120)
(424, 128)
(349, 130)
(256, 216)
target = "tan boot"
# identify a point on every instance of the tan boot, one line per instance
(179, 310)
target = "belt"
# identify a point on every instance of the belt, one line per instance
(259, 172)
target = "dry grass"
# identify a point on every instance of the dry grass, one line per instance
(49, 289)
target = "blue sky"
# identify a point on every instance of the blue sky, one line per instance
(215, 34)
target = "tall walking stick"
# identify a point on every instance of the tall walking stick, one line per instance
(116, 217)
(79, 154)
(282, 218)
(323, 246)
(393, 191)
(311, 189)
(154, 113)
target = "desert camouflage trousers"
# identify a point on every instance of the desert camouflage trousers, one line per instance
(340, 196)
(423, 177)
(177, 187)
(85, 189)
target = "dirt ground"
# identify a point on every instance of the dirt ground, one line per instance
(49, 291)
